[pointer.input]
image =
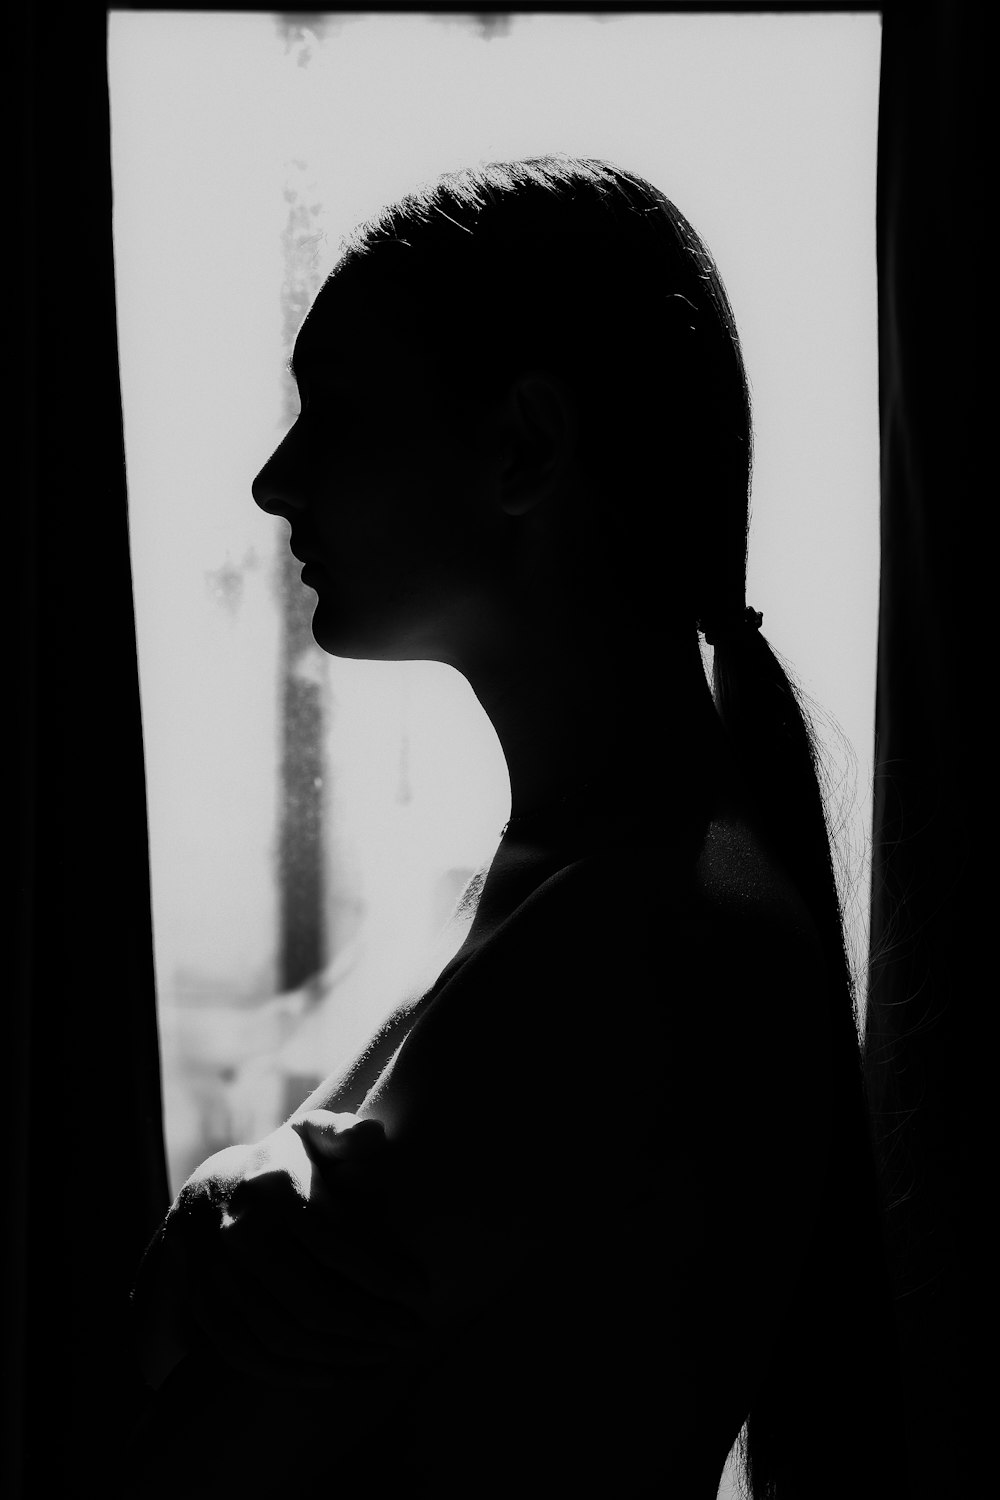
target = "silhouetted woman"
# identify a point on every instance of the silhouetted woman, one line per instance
(605, 1193)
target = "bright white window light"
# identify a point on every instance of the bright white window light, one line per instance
(762, 128)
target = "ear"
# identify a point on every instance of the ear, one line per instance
(542, 431)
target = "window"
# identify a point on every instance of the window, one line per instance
(312, 820)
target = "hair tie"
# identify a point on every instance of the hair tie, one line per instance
(719, 627)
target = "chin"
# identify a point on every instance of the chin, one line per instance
(376, 640)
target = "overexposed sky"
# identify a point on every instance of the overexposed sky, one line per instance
(761, 128)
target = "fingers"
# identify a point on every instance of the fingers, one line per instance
(216, 1173)
(280, 1211)
(271, 1219)
(339, 1137)
(292, 1273)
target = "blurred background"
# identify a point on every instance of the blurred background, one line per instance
(313, 820)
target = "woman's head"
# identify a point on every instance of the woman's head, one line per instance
(566, 309)
(384, 479)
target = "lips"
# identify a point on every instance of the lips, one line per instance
(303, 555)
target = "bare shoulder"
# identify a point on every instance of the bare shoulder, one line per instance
(615, 965)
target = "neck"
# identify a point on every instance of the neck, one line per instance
(586, 727)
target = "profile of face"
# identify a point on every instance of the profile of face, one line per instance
(392, 484)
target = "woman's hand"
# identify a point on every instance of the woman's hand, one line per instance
(287, 1259)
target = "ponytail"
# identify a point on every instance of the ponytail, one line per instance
(777, 752)
(821, 1421)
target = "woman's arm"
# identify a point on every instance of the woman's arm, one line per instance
(284, 1258)
(279, 1317)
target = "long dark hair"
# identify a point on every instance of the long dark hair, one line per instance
(584, 269)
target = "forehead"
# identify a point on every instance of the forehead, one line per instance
(354, 328)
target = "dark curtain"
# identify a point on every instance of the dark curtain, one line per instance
(84, 1176)
(85, 1182)
(930, 957)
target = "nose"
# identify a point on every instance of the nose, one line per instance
(274, 489)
